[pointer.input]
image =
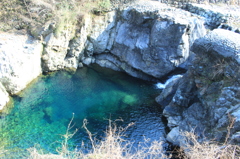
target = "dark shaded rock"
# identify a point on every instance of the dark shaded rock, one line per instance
(207, 98)
(167, 94)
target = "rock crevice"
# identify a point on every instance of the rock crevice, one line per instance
(206, 99)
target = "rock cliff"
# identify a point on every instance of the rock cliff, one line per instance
(20, 63)
(206, 99)
(145, 40)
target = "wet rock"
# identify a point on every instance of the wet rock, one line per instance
(168, 92)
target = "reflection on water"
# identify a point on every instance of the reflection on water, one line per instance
(42, 112)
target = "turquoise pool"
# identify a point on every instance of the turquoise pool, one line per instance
(39, 115)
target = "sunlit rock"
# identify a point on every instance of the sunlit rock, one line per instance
(20, 61)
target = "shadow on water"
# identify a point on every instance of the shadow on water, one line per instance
(42, 112)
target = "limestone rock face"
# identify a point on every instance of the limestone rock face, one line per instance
(55, 51)
(207, 97)
(20, 61)
(145, 40)
(3, 96)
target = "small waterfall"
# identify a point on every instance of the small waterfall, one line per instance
(163, 85)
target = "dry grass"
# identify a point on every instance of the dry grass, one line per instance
(113, 146)
(21, 14)
(209, 149)
(194, 149)
(219, 68)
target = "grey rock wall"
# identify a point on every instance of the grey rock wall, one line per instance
(145, 41)
(206, 99)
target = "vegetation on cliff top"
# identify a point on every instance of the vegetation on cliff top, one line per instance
(22, 14)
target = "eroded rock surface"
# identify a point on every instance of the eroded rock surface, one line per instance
(20, 61)
(215, 16)
(207, 98)
(3, 96)
(149, 42)
(146, 40)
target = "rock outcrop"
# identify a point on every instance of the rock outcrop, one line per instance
(145, 40)
(56, 46)
(3, 96)
(20, 63)
(206, 99)
(226, 17)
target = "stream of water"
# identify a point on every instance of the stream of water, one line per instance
(39, 115)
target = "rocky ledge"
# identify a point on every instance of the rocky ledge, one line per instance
(217, 16)
(206, 99)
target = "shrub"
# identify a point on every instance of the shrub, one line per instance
(113, 146)
(193, 149)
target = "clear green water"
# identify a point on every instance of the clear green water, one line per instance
(41, 113)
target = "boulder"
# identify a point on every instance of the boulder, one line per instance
(151, 42)
(206, 100)
(20, 61)
(3, 96)
(219, 43)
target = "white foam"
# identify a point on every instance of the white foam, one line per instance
(160, 85)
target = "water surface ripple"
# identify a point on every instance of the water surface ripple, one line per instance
(40, 114)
